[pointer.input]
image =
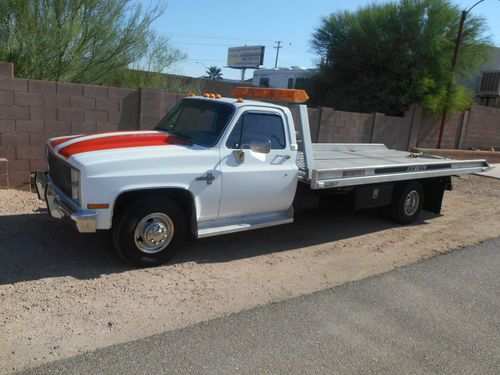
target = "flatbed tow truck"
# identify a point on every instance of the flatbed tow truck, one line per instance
(218, 165)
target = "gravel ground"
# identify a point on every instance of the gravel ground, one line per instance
(63, 293)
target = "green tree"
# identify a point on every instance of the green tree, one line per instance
(159, 57)
(384, 57)
(214, 72)
(83, 41)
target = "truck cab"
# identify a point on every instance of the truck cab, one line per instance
(211, 161)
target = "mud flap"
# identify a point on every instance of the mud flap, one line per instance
(434, 192)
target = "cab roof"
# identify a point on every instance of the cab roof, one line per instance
(236, 102)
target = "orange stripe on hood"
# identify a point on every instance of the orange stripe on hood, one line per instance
(57, 142)
(121, 141)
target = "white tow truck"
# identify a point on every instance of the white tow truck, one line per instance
(220, 165)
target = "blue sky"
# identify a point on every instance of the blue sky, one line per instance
(205, 29)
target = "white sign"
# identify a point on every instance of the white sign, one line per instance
(245, 57)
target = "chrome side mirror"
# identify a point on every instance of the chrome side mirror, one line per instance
(263, 147)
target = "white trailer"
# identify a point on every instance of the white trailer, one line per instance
(285, 78)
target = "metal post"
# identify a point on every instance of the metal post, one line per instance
(243, 70)
(452, 77)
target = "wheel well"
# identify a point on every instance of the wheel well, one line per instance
(181, 196)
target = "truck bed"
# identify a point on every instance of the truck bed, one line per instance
(342, 165)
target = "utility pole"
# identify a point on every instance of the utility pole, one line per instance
(452, 77)
(277, 48)
(453, 70)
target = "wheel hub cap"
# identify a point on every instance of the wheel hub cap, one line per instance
(153, 233)
(412, 202)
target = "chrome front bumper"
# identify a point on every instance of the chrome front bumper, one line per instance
(62, 207)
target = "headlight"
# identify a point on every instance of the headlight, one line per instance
(75, 185)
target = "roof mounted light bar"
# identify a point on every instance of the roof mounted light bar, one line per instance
(288, 95)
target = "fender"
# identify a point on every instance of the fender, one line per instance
(180, 194)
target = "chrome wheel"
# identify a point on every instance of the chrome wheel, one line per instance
(153, 233)
(412, 202)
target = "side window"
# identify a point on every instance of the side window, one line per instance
(290, 83)
(264, 82)
(258, 127)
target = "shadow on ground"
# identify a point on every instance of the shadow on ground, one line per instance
(35, 246)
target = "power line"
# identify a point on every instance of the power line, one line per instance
(220, 38)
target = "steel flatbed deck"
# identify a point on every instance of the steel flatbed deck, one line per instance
(331, 165)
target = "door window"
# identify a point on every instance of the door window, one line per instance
(258, 127)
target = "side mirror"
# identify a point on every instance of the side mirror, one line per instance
(263, 147)
(239, 156)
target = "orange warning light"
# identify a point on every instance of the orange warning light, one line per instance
(289, 95)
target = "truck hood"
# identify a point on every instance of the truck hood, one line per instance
(72, 146)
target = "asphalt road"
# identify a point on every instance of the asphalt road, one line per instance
(438, 316)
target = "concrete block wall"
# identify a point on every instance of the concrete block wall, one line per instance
(32, 111)
(345, 127)
(483, 128)
(392, 131)
(4, 174)
(429, 130)
(154, 104)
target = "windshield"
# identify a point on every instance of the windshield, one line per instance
(197, 121)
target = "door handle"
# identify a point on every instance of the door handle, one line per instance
(284, 156)
(208, 178)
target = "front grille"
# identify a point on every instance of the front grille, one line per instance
(60, 173)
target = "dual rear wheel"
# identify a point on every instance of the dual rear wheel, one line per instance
(406, 203)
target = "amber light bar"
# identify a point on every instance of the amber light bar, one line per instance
(288, 95)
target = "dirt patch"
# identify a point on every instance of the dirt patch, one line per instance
(63, 293)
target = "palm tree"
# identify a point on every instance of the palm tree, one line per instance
(214, 72)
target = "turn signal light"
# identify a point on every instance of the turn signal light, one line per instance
(289, 95)
(96, 206)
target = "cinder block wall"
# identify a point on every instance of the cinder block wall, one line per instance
(32, 111)
(483, 128)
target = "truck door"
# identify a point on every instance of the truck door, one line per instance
(257, 182)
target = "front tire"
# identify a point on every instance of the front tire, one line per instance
(406, 202)
(150, 232)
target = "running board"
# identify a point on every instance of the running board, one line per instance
(240, 224)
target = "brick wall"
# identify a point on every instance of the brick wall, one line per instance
(32, 111)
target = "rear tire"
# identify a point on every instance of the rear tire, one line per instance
(406, 203)
(150, 232)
